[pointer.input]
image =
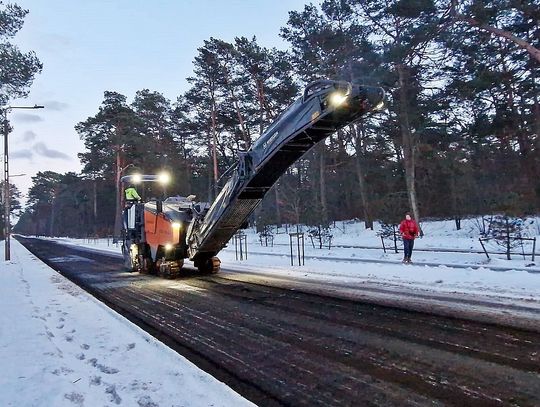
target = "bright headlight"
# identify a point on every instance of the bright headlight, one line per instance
(176, 225)
(164, 178)
(337, 98)
(136, 178)
(379, 105)
(168, 247)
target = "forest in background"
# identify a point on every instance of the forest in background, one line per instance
(459, 135)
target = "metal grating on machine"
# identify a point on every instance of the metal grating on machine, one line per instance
(228, 225)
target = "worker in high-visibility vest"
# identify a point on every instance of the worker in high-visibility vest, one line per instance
(131, 194)
(132, 197)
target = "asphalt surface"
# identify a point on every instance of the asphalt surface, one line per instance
(285, 346)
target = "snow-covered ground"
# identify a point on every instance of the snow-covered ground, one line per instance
(61, 347)
(445, 260)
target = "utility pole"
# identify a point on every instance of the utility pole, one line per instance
(7, 203)
(7, 208)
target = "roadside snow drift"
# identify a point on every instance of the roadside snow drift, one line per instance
(61, 347)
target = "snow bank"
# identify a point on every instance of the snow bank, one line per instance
(61, 347)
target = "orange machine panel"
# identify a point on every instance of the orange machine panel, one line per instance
(159, 230)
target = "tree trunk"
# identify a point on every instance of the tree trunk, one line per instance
(264, 107)
(536, 128)
(409, 144)
(368, 221)
(278, 210)
(53, 215)
(517, 127)
(243, 129)
(95, 206)
(537, 117)
(360, 174)
(214, 147)
(118, 211)
(456, 210)
(210, 178)
(508, 244)
(260, 97)
(322, 185)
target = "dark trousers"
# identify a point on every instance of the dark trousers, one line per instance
(408, 245)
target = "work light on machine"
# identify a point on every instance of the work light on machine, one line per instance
(164, 178)
(136, 178)
(168, 247)
(176, 225)
(338, 98)
(379, 105)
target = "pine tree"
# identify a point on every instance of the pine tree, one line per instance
(405, 33)
(111, 140)
(330, 43)
(17, 69)
(495, 79)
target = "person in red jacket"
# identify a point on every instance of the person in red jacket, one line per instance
(409, 231)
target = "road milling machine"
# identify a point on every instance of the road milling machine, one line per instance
(159, 235)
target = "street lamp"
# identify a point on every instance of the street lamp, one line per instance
(7, 209)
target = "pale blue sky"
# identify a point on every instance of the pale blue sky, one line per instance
(88, 47)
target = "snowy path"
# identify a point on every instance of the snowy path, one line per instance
(261, 252)
(61, 347)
